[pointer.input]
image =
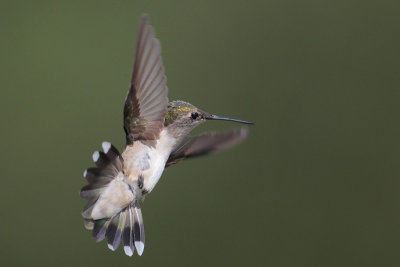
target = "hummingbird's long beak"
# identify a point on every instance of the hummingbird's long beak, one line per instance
(216, 117)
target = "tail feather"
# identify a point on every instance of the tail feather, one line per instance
(100, 228)
(111, 233)
(120, 229)
(138, 229)
(91, 192)
(111, 152)
(129, 247)
(97, 227)
(101, 159)
(109, 165)
(127, 225)
(89, 224)
(95, 175)
(115, 229)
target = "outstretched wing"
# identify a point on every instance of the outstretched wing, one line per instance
(146, 101)
(206, 143)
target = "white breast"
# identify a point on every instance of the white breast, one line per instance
(148, 162)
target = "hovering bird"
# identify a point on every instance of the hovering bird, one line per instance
(156, 137)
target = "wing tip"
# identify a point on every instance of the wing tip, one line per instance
(144, 18)
(243, 131)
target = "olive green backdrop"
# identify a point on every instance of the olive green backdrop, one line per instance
(316, 183)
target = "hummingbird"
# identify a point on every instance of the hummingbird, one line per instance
(156, 138)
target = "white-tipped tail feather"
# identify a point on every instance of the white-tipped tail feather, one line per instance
(106, 146)
(139, 247)
(96, 156)
(138, 229)
(128, 251)
(127, 224)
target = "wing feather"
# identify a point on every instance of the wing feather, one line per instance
(206, 143)
(146, 101)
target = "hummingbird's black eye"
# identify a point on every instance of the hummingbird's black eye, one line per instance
(194, 115)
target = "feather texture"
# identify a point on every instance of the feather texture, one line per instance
(109, 166)
(146, 101)
(126, 224)
(206, 143)
(138, 229)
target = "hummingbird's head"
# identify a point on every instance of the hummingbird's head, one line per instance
(184, 117)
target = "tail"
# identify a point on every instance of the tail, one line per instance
(127, 223)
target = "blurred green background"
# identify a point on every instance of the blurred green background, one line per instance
(316, 183)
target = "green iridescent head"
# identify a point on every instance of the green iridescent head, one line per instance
(182, 117)
(177, 110)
